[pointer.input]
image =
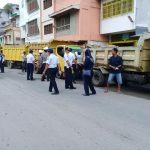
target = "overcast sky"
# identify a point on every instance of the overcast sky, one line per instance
(4, 2)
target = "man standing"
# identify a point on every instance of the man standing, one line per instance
(79, 65)
(43, 57)
(30, 65)
(69, 58)
(24, 62)
(2, 59)
(115, 64)
(52, 65)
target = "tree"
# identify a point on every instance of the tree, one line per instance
(8, 8)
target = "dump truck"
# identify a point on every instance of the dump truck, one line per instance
(136, 62)
(13, 54)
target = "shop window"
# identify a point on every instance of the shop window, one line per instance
(33, 28)
(32, 5)
(63, 23)
(48, 29)
(47, 4)
(117, 7)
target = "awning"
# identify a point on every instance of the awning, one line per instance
(65, 10)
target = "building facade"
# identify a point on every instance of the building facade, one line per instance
(10, 31)
(47, 23)
(4, 20)
(30, 21)
(122, 20)
(77, 20)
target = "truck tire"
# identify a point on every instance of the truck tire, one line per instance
(98, 78)
(10, 64)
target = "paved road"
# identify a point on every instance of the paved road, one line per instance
(32, 119)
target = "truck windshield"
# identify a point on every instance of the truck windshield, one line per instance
(60, 51)
(76, 50)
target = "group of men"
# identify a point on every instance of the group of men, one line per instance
(2, 60)
(50, 67)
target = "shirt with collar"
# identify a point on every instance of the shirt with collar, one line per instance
(44, 57)
(69, 57)
(52, 61)
(30, 58)
(2, 58)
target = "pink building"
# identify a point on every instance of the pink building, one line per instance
(77, 20)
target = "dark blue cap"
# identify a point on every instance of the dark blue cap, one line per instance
(50, 50)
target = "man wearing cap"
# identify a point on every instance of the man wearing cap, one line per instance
(52, 64)
(44, 56)
(30, 65)
(69, 58)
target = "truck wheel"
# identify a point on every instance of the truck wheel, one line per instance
(10, 64)
(98, 78)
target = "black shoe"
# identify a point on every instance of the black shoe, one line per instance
(50, 91)
(28, 79)
(94, 93)
(55, 93)
(86, 94)
(73, 88)
(66, 87)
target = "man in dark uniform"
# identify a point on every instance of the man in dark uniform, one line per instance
(43, 58)
(69, 58)
(52, 64)
(30, 65)
(2, 59)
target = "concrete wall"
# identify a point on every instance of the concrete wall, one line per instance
(143, 14)
(119, 23)
(90, 21)
(85, 23)
(59, 4)
(45, 21)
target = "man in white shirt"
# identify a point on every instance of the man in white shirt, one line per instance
(30, 65)
(69, 58)
(52, 64)
(44, 56)
(79, 64)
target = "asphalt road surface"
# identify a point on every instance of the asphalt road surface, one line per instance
(32, 119)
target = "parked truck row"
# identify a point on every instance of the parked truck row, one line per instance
(136, 59)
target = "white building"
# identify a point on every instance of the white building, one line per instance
(36, 26)
(4, 20)
(47, 7)
(123, 19)
(30, 21)
(10, 31)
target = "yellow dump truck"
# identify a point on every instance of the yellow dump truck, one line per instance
(13, 54)
(136, 62)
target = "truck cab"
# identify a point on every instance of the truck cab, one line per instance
(60, 51)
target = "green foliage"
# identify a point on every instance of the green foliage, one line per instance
(8, 8)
